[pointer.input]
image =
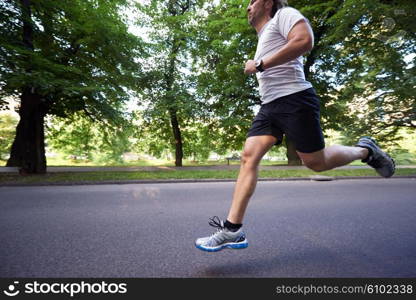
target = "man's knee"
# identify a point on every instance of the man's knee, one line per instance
(254, 149)
(315, 161)
(248, 158)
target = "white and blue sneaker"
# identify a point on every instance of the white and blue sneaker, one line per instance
(222, 238)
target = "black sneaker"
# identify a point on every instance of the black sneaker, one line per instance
(379, 160)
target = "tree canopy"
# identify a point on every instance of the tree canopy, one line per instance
(60, 57)
(68, 59)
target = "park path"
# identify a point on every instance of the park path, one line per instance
(346, 228)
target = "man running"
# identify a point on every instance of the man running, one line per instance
(289, 107)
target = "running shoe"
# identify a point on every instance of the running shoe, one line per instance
(379, 160)
(222, 238)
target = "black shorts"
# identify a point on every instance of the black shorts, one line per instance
(296, 116)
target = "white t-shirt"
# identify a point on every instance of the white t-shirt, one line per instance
(284, 79)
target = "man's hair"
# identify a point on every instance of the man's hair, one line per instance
(277, 4)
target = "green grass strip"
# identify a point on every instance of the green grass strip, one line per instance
(73, 177)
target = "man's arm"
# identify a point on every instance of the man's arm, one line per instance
(300, 41)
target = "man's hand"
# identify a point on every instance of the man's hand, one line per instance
(250, 67)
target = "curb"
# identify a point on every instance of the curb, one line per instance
(159, 181)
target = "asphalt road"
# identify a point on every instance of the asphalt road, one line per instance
(348, 228)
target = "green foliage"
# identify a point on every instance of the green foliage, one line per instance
(73, 136)
(364, 49)
(363, 82)
(82, 138)
(224, 42)
(85, 64)
(83, 56)
(8, 123)
(168, 97)
(357, 66)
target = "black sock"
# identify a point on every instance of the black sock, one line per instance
(231, 226)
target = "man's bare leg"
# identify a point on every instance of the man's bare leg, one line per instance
(336, 156)
(332, 157)
(254, 149)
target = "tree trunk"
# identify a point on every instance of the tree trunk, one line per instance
(28, 149)
(292, 157)
(170, 78)
(178, 138)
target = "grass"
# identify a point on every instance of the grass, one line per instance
(52, 162)
(74, 177)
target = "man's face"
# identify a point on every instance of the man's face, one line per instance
(256, 10)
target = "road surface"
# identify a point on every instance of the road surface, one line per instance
(348, 228)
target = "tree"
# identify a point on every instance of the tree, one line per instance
(377, 81)
(358, 54)
(82, 137)
(199, 139)
(359, 68)
(224, 41)
(74, 136)
(60, 57)
(170, 104)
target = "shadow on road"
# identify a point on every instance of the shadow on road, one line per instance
(317, 262)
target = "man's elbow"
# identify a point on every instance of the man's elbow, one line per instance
(308, 44)
(304, 44)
